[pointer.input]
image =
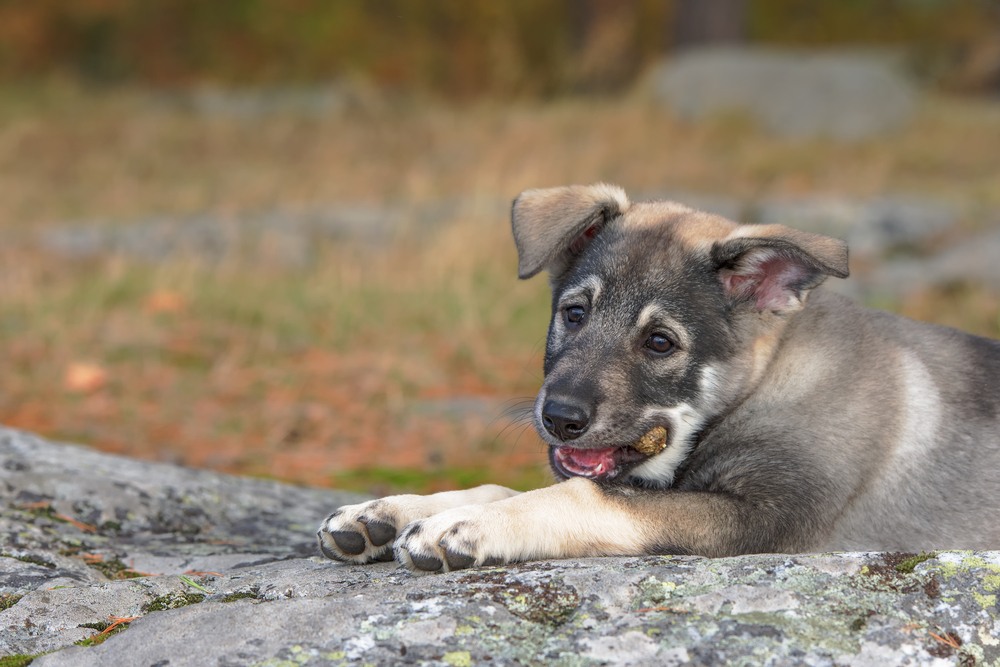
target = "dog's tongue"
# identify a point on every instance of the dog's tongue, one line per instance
(587, 462)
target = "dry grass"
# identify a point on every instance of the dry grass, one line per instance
(335, 374)
(66, 155)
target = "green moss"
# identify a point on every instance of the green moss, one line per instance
(172, 601)
(8, 600)
(100, 626)
(19, 660)
(907, 565)
(34, 560)
(115, 569)
(241, 595)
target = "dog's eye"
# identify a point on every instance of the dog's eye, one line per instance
(574, 316)
(659, 344)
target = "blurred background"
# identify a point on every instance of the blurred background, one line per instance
(271, 237)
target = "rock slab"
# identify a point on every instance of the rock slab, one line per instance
(231, 579)
(840, 95)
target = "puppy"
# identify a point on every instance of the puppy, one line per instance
(702, 397)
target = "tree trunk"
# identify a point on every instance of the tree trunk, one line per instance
(702, 22)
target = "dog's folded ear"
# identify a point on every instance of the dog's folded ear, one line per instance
(773, 267)
(553, 225)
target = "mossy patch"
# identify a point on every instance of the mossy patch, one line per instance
(110, 527)
(172, 601)
(894, 572)
(8, 600)
(907, 565)
(549, 602)
(252, 594)
(19, 660)
(114, 569)
(104, 630)
(28, 558)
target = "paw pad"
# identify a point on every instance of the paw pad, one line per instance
(457, 560)
(378, 532)
(349, 542)
(426, 563)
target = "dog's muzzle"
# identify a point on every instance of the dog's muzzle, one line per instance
(608, 462)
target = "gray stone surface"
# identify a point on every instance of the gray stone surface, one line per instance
(841, 95)
(974, 260)
(278, 237)
(235, 584)
(871, 227)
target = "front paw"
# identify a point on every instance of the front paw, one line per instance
(362, 533)
(452, 540)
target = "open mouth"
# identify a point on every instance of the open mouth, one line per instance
(608, 462)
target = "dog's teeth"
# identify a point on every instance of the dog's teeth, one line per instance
(654, 442)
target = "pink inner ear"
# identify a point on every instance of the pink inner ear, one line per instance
(577, 246)
(768, 278)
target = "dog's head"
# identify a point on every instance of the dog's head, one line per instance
(663, 317)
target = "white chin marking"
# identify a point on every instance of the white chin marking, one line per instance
(684, 421)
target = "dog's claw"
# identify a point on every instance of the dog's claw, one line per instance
(457, 560)
(379, 532)
(384, 557)
(349, 542)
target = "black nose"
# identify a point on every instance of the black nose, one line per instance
(564, 419)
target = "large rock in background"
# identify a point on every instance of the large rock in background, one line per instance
(841, 95)
(232, 579)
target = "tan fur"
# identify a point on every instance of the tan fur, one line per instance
(541, 523)
(575, 207)
(399, 511)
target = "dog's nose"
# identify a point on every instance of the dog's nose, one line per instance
(566, 421)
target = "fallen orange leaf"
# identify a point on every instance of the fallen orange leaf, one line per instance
(85, 527)
(84, 377)
(165, 301)
(117, 621)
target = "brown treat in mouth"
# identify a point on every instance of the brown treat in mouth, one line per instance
(654, 442)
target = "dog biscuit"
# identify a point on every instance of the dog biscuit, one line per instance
(654, 442)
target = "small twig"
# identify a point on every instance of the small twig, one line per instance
(199, 573)
(38, 505)
(85, 527)
(117, 621)
(948, 639)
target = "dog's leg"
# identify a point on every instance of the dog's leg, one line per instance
(364, 533)
(577, 518)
